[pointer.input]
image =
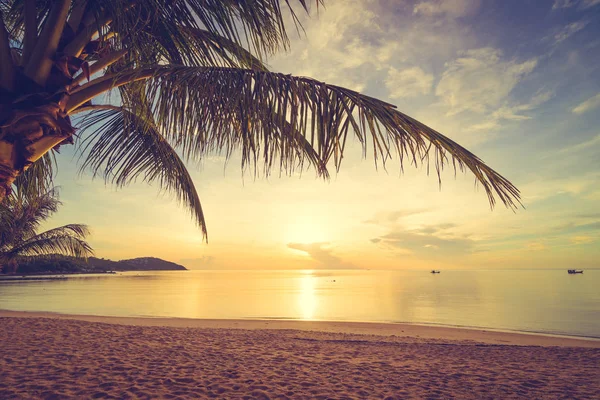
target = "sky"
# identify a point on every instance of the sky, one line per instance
(515, 81)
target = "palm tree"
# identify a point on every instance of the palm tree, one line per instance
(188, 79)
(20, 218)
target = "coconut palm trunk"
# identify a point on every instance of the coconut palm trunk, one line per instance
(188, 80)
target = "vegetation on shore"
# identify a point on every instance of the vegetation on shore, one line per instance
(59, 264)
(21, 215)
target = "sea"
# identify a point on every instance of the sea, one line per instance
(537, 301)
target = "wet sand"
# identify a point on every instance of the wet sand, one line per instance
(48, 356)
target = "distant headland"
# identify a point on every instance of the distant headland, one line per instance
(57, 264)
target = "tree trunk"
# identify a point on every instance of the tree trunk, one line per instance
(28, 130)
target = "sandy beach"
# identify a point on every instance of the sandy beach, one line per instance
(55, 356)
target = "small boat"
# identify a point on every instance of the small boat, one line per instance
(575, 271)
(433, 271)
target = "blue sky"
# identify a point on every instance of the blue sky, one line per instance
(516, 82)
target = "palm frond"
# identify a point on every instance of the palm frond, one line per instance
(25, 213)
(211, 49)
(7, 223)
(155, 30)
(125, 145)
(38, 178)
(66, 240)
(222, 109)
(20, 217)
(79, 231)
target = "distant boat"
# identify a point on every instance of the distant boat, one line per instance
(433, 271)
(575, 271)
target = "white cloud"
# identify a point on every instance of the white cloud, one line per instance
(563, 4)
(549, 186)
(409, 82)
(588, 144)
(571, 3)
(589, 3)
(515, 112)
(590, 104)
(569, 31)
(488, 125)
(401, 52)
(334, 49)
(480, 80)
(354, 43)
(450, 8)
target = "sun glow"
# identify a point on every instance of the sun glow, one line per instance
(305, 231)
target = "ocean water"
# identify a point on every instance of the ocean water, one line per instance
(545, 301)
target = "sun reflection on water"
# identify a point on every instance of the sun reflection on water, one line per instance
(307, 299)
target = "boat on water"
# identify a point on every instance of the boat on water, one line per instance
(433, 271)
(575, 271)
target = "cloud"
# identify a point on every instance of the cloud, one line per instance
(355, 43)
(322, 253)
(448, 8)
(590, 104)
(535, 246)
(409, 82)
(337, 47)
(429, 240)
(587, 216)
(595, 226)
(387, 218)
(480, 80)
(563, 4)
(582, 239)
(569, 31)
(515, 112)
(564, 185)
(558, 4)
(585, 146)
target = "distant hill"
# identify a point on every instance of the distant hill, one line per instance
(63, 264)
(150, 264)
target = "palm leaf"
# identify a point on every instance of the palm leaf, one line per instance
(154, 29)
(210, 109)
(38, 177)
(67, 240)
(211, 49)
(125, 145)
(23, 215)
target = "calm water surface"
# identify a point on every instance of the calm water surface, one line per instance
(537, 301)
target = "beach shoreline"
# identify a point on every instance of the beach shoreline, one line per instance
(406, 330)
(60, 356)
